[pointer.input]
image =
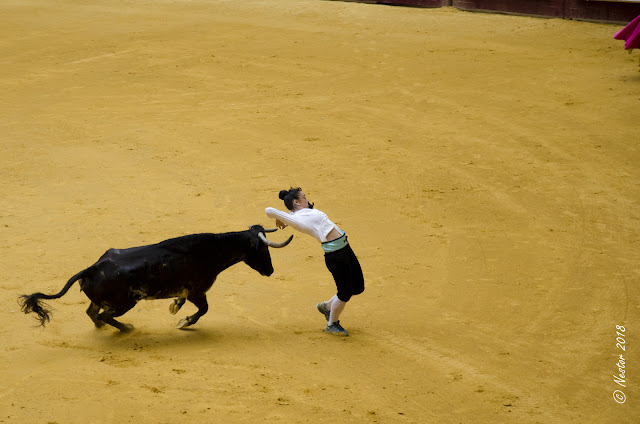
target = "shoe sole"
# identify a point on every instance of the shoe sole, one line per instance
(337, 333)
(326, 314)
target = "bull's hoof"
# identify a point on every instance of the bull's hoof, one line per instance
(184, 323)
(175, 306)
(100, 324)
(126, 328)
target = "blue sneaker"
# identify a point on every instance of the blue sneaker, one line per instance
(322, 307)
(336, 329)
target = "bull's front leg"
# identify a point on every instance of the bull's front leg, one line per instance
(177, 303)
(203, 306)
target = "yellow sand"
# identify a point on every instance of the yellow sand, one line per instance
(485, 168)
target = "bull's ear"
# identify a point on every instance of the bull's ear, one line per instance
(255, 241)
(253, 237)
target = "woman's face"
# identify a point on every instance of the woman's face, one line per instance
(301, 202)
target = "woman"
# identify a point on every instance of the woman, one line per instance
(338, 256)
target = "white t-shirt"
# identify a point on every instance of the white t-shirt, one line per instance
(309, 221)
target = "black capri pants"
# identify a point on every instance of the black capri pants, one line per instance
(347, 273)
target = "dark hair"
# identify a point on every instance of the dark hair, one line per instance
(289, 196)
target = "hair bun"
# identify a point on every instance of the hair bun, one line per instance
(283, 194)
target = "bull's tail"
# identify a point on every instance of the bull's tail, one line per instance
(32, 302)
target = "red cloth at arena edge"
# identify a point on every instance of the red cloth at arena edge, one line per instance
(630, 34)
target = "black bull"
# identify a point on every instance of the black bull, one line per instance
(181, 268)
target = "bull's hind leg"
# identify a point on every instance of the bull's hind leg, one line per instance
(93, 312)
(125, 328)
(109, 313)
(201, 302)
(176, 304)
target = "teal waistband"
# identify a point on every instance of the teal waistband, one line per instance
(334, 245)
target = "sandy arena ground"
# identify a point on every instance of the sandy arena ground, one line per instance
(486, 168)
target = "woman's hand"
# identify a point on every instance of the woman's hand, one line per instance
(280, 224)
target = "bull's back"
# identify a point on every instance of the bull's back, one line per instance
(146, 272)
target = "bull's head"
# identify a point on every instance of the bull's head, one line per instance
(258, 256)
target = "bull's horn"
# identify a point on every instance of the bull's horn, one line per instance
(273, 244)
(271, 230)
